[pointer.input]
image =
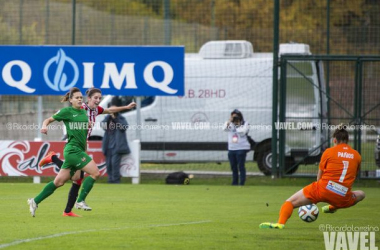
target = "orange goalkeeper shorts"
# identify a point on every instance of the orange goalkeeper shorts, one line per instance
(317, 192)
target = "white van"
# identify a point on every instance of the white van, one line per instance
(223, 76)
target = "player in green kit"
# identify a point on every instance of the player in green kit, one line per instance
(76, 158)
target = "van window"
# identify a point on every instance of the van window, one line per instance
(233, 49)
(145, 101)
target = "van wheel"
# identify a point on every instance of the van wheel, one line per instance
(264, 161)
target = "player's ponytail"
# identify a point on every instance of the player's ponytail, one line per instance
(341, 134)
(70, 94)
(65, 97)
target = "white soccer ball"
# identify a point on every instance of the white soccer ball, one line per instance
(308, 213)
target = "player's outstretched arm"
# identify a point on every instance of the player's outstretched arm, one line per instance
(45, 125)
(119, 109)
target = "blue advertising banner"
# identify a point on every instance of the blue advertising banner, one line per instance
(116, 70)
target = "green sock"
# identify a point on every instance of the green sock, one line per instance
(46, 192)
(87, 185)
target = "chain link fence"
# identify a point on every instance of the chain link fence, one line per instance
(351, 97)
(329, 27)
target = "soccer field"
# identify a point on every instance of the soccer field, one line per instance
(169, 217)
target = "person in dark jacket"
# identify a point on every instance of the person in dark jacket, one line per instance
(115, 143)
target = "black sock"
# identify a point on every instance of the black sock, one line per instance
(57, 161)
(73, 195)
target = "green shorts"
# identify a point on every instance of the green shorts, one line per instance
(75, 159)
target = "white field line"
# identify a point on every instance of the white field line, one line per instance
(95, 230)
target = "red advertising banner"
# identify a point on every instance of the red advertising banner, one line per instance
(21, 158)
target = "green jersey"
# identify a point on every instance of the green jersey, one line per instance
(76, 122)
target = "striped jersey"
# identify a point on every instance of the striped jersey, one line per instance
(91, 114)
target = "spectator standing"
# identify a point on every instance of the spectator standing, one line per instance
(115, 143)
(238, 145)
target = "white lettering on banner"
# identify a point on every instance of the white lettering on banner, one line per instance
(127, 72)
(26, 74)
(88, 75)
(29, 153)
(168, 77)
(114, 74)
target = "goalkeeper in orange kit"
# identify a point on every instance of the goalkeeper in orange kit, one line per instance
(338, 169)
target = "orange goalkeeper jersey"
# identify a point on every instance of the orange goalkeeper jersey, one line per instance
(340, 165)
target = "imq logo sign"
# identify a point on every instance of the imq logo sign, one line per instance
(53, 70)
(59, 82)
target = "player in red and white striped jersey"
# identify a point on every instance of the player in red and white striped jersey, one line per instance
(92, 113)
(93, 109)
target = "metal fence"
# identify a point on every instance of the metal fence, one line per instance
(350, 97)
(336, 27)
(329, 27)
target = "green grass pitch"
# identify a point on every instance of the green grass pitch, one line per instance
(152, 216)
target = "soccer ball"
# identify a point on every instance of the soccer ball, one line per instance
(308, 213)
